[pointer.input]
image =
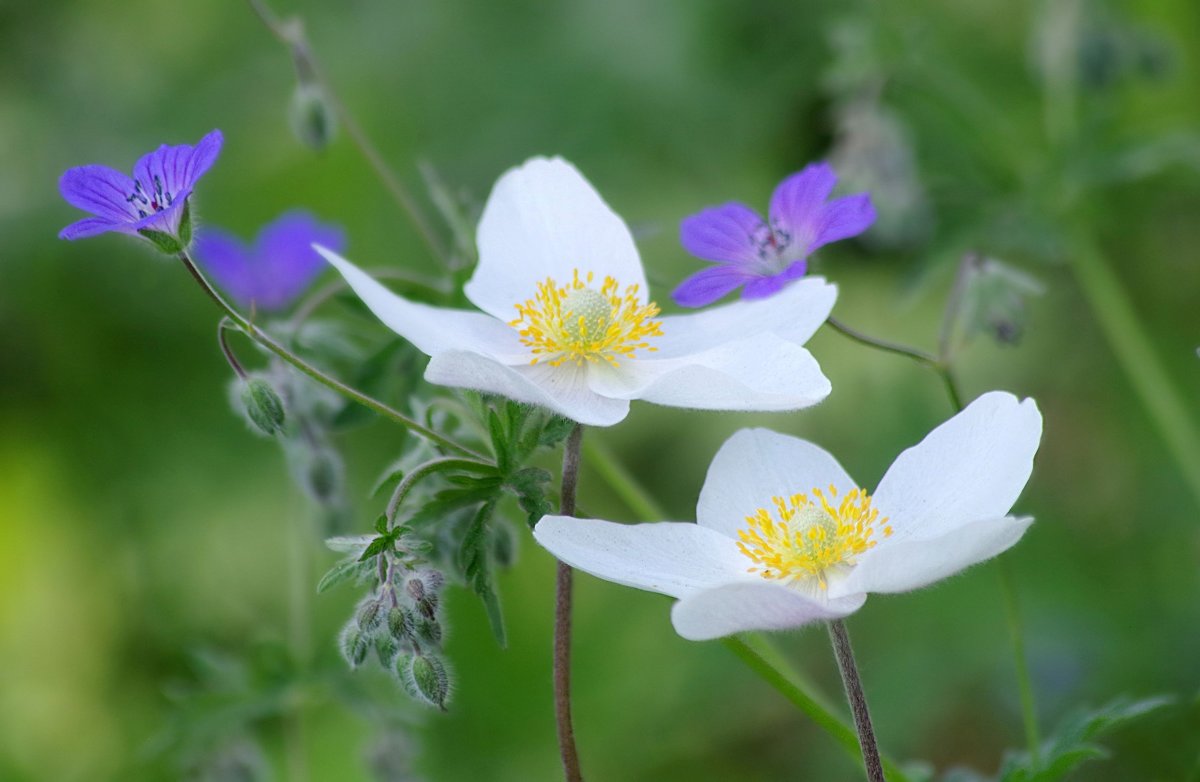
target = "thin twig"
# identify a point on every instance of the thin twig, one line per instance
(858, 700)
(562, 619)
(291, 34)
(230, 356)
(882, 344)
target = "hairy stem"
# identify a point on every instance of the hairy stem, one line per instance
(562, 619)
(230, 356)
(291, 34)
(430, 467)
(350, 393)
(858, 700)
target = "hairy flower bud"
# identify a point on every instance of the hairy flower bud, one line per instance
(429, 631)
(311, 117)
(263, 406)
(402, 624)
(386, 649)
(370, 615)
(430, 679)
(354, 645)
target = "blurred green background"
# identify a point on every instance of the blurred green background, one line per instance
(140, 522)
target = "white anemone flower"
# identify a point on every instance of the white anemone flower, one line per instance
(785, 537)
(566, 322)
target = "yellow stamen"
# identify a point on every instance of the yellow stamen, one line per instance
(575, 322)
(805, 538)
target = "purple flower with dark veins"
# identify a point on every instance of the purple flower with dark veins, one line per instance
(153, 203)
(760, 256)
(277, 268)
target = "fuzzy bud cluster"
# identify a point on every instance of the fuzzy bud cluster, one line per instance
(401, 621)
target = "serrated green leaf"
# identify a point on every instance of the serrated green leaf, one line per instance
(393, 474)
(377, 546)
(555, 431)
(343, 571)
(381, 524)
(500, 444)
(475, 564)
(529, 486)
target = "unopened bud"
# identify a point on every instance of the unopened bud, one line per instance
(354, 645)
(430, 679)
(429, 631)
(311, 116)
(370, 615)
(386, 649)
(263, 406)
(401, 624)
(400, 667)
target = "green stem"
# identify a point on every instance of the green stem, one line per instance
(316, 374)
(1012, 610)
(1136, 354)
(753, 649)
(430, 467)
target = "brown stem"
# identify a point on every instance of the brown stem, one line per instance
(562, 620)
(858, 701)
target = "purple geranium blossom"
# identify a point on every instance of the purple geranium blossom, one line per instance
(764, 256)
(154, 199)
(279, 266)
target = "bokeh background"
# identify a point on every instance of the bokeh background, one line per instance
(147, 540)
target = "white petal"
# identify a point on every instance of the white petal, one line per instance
(431, 329)
(913, 564)
(542, 220)
(762, 372)
(669, 557)
(561, 389)
(757, 464)
(973, 466)
(754, 605)
(794, 314)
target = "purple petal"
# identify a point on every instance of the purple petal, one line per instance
(177, 167)
(797, 202)
(100, 190)
(843, 218)
(708, 285)
(167, 221)
(90, 226)
(762, 287)
(724, 233)
(287, 263)
(227, 259)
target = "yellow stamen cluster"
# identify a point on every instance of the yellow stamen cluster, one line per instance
(577, 323)
(806, 537)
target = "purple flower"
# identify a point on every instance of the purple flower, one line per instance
(762, 256)
(151, 203)
(277, 268)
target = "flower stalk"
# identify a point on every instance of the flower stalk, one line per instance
(562, 619)
(350, 393)
(858, 700)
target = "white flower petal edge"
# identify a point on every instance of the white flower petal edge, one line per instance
(909, 565)
(756, 464)
(754, 605)
(431, 329)
(543, 219)
(973, 466)
(794, 314)
(670, 557)
(561, 389)
(762, 372)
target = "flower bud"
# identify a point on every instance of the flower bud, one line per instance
(430, 679)
(402, 624)
(354, 645)
(429, 631)
(370, 615)
(386, 649)
(400, 667)
(311, 117)
(263, 406)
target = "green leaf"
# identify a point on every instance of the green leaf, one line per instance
(185, 224)
(377, 546)
(393, 474)
(1073, 743)
(381, 524)
(500, 445)
(474, 561)
(343, 571)
(555, 431)
(529, 486)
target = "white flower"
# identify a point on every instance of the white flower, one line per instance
(566, 322)
(785, 537)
